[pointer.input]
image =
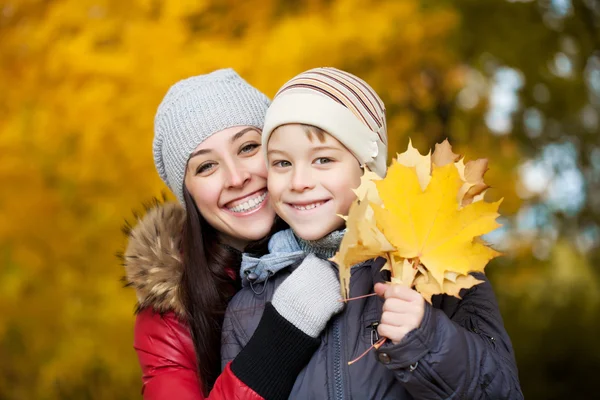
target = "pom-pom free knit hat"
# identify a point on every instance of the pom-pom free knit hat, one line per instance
(341, 104)
(193, 110)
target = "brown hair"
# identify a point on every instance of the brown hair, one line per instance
(310, 131)
(207, 286)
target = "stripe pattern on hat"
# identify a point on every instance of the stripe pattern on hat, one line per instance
(347, 90)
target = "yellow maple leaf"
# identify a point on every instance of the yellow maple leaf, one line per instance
(422, 164)
(367, 189)
(403, 271)
(425, 218)
(363, 241)
(429, 224)
(443, 154)
(428, 286)
(473, 188)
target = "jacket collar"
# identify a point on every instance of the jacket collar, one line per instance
(285, 250)
(153, 262)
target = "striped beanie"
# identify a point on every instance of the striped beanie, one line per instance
(341, 104)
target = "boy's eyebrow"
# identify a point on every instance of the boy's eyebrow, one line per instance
(313, 149)
(325, 148)
(275, 151)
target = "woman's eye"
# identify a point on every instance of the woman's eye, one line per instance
(248, 148)
(205, 168)
(323, 160)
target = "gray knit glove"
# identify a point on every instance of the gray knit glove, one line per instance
(310, 296)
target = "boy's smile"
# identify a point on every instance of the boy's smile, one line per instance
(307, 206)
(311, 177)
(309, 209)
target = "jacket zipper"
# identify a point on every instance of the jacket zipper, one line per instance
(338, 383)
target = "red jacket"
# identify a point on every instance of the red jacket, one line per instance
(166, 353)
(266, 368)
(163, 343)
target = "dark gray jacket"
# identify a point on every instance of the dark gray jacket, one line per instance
(460, 351)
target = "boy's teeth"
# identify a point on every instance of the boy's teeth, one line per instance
(309, 206)
(250, 204)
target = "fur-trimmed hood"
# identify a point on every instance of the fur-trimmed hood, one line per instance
(153, 261)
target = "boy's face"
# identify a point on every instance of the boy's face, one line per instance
(310, 180)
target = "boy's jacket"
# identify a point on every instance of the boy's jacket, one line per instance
(460, 351)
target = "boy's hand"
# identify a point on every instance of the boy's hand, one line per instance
(403, 311)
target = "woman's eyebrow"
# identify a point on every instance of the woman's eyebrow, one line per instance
(243, 132)
(233, 139)
(199, 152)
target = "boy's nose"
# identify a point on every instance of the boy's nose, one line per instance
(301, 180)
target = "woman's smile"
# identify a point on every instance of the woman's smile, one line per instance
(248, 204)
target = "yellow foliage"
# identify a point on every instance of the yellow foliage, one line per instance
(430, 226)
(423, 222)
(362, 241)
(80, 82)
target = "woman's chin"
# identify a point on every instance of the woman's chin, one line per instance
(254, 228)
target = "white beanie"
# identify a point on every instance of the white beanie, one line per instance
(193, 110)
(341, 104)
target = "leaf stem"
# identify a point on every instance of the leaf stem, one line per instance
(359, 297)
(375, 346)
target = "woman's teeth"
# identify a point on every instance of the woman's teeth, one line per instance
(308, 206)
(250, 204)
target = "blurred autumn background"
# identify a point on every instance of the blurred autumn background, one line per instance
(515, 81)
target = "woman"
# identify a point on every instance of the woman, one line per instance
(183, 260)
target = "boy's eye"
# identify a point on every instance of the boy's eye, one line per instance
(203, 168)
(323, 160)
(281, 163)
(249, 148)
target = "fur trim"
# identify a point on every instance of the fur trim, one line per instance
(153, 261)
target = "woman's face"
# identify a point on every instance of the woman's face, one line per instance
(227, 178)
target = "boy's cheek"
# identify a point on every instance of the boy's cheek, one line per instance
(344, 207)
(275, 186)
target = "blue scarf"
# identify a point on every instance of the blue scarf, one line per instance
(285, 249)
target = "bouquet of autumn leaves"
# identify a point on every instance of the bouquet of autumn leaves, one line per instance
(426, 218)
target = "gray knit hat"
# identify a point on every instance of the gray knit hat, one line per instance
(193, 110)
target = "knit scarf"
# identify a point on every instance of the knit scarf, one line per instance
(285, 248)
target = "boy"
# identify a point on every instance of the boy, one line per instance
(322, 128)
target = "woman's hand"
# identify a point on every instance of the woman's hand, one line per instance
(403, 311)
(310, 296)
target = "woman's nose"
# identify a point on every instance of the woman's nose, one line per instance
(237, 176)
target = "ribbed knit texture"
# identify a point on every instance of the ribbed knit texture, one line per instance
(193, 110)
(326, 247)
(310, 296)
(271, 361)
